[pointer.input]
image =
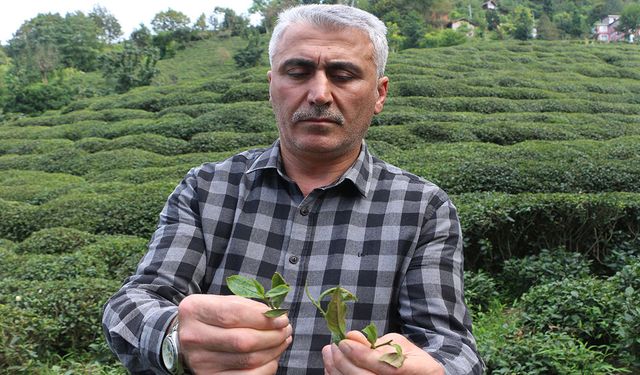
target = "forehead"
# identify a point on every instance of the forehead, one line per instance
(316, 42)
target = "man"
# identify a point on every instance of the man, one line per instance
(320, 210)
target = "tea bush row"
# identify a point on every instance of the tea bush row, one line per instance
(502, 226)
(133, 210)
(496, 226)
(44, 319)
(27, 186)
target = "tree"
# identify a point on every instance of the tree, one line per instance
(630, 19)
(109, 29)
(201, 23)
(250, 55)
(523, 23)
(141, 37)
(493, 20)
(547, 30)
(269, 10)
(231, 22)
(396, 39)
(170, 20)
(130, 66)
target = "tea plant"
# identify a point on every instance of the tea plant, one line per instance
(249, 288)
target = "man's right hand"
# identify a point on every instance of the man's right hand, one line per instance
(230, 335)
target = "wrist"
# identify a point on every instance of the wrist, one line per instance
(170, 354)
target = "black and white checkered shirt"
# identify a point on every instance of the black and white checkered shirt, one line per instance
(391, 238)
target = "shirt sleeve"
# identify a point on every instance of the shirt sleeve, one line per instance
(432, 309)
(136, 318)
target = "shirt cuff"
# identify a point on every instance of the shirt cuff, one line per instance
(154, 328)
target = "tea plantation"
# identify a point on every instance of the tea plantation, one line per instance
(538, 144)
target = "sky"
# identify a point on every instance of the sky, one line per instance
(130, 13)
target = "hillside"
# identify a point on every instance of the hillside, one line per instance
(537, 142)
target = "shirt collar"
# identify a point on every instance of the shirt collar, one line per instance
(359, 173)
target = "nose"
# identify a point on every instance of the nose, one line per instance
(319, 90)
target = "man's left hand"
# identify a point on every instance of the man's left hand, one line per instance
(354, 356)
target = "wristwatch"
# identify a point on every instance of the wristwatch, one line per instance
(171, 351)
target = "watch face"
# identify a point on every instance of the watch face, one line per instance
(168, 355)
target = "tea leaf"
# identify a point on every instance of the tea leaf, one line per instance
(274, 313)
(276, 295)
(371, 332)
(245, 287)
(277, 280)
(313, 301)
(394, 359)
(336, 316)
(346, 295)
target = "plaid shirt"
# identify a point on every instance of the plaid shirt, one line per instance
(391, 238)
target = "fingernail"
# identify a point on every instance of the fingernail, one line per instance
(345, 347)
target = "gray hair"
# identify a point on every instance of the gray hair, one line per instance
(335, 16)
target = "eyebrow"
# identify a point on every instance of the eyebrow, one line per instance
(335, 65)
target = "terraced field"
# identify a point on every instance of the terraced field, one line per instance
(538, 143)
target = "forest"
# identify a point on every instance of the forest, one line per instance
(536, 140)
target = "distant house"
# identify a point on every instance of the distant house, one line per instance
(463, 23)
(489, 5)
(605, 29)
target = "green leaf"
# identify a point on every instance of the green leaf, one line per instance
(245, 287)
(277, 280)
(274, 313)
(394, 359)
(336, 316)
(346, 295)
(313, 301)
(277, 295)
(371, 332)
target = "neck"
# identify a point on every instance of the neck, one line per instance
(315, 171)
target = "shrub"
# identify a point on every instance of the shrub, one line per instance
(131, 211)
(120, 254)
(47, 267)
(56, 240)
(585, 308)
(142, 175)
(480, 290)
(398, 136)
(25, 338)
(501, 226)
(32, 190)
(72, 309)
(227, 141)
(520, 274)
(238, 117)
(192, 110)
(16, 146)
(246, 92)
(92, 144)
(17, 220)
(508, 349)
(150, 142)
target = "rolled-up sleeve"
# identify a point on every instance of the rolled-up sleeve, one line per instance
(136, 318)
(432, 308)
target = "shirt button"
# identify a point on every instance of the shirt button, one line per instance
(294, 259)
(304, 210)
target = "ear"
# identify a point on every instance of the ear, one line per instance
(383, 88)
(269, 80)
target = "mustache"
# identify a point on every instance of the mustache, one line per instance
(316, 112)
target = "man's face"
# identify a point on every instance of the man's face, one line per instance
(324, 90)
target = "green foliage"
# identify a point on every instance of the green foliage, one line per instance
(227, 140)
(520, 274)
(55, 240)
(18, 220)
(251, 55)
(246, 92)
(443, 38)
(170, 20)
(70, 308)
(119, 254)
(584, 307)
(507, 349)
(480, 290)
(250, 288)
(523, 22)
(130, 67)
(501, 226)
